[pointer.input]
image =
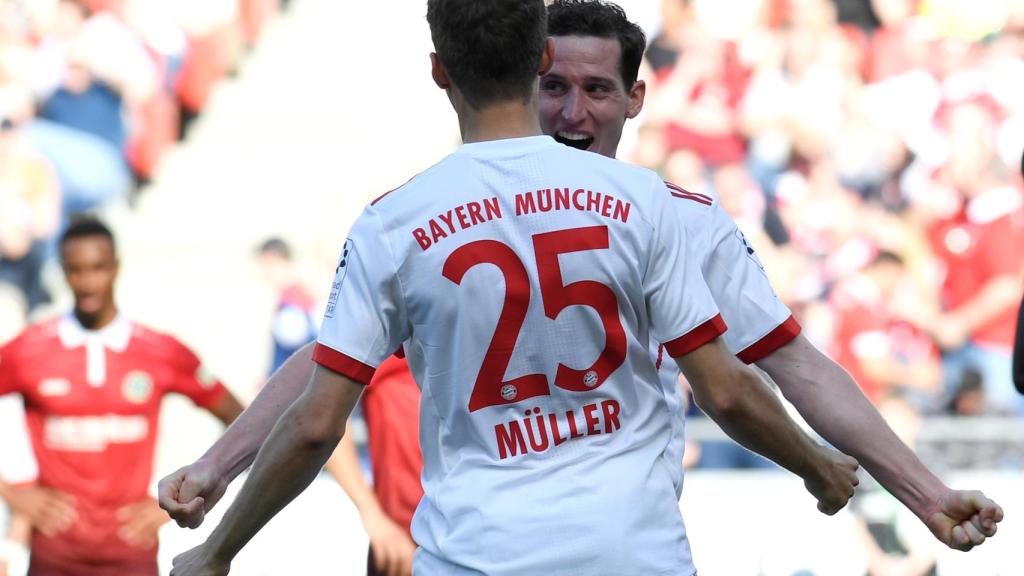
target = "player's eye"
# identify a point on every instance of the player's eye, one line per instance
(552, 86)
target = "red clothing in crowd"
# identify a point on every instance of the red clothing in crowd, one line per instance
(981, 242)
(92, 404)
(866, 328)
(391, 406)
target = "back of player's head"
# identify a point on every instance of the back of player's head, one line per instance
(87, 227)
(275, 247)
(491, 49)
(602, 20)
(886, 257)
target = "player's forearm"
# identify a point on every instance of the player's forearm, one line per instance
(289, 448)
(832, 403)
(237, 447)
(754, 417)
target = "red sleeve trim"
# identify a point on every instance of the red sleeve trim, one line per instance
(346, 366)
(782, 334)
(697, 337)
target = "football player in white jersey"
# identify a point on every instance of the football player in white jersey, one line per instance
(584, 103)
(526, 281)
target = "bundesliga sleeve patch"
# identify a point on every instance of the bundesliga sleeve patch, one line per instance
(347, 253)
(750, 251)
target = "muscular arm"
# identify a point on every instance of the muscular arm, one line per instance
(237, 448)
(190, 492)
(833, 404)
(300, 443)
(227, 409)
(738, 401)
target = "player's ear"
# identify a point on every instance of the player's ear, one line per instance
(547, 58)
(438, 72)
(636, 99)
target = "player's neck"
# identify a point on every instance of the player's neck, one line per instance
(499, 121)
(97, 321)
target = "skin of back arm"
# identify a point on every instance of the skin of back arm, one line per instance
(833, 404)
(742, 405)
(301, 442)
(237, 447)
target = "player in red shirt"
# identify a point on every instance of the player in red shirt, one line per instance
(880, 351)
(92, 382)
(1018, 346)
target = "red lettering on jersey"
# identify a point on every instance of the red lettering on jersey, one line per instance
(510, 439)
(561, 199)
(593, 201)
(576, 202)
(492, 208)
(436, 231)
(525, 204)
(606, 206)
(556, 436)
(466, 215)
(460, 213)
(610, 409)
(447, 219)
(544, 200)
(537, 445)
(591, 418)
(421, 238)
(621, 212)
(543, 434)
(475, 214)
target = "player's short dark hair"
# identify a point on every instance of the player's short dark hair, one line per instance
(887, 257)
(277, 247)
(87, 227)
(602, 20)
(490, 48)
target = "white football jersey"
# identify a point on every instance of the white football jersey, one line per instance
(759, 323)
(528, 281)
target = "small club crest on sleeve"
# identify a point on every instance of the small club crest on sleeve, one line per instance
(347, 253)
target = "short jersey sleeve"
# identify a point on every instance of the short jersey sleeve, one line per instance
(683, 313)
(8, 368)
(365, 320)
(17, 462)
(759, 323)
(189, 377)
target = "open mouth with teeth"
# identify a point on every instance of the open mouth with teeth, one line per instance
(574, 140)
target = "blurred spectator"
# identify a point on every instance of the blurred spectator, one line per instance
(836, 130)
(93, 382)
(883, 354)
(295, 318)
(30, 199)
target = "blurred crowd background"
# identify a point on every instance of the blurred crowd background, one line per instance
(869, 149)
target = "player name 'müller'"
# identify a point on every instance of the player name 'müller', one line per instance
(470, 214)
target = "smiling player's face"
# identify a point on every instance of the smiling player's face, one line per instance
(583, 102)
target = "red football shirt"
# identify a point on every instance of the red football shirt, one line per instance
(982, 242)
(92, 402)
(391, 406)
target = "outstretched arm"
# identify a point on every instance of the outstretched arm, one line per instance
(832, 403)
(738, 401)
(300, 444)
(190, 492)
